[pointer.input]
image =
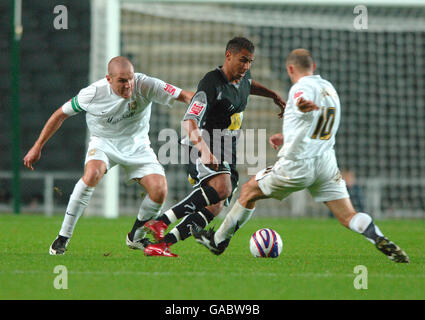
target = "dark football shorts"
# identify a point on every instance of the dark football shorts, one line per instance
(199, 173)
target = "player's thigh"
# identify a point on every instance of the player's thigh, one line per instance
(96, 164)
(342, 209)
(251, 191)
(151, 176)
(329, 184)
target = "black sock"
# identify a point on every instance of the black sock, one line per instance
(198, 199)
(137, 224)
(370, 232)
(202, 218)
(169, 238)
(164, 219)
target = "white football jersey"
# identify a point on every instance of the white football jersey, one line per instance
(307, 135)
(111, 116)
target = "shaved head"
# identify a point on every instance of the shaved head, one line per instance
(301, 59)
(121, 76)
(119, 65)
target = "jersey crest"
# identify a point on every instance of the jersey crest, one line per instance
(132, 105)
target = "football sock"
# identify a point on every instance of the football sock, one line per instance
(362, 223)
(182, 231)
(136, 232)
(78, 202)
(198, 199)
(172, 237)
(148, 210)
(168, 217)
(235, 219)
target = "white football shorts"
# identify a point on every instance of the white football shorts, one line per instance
(320, 175)
(137, 160)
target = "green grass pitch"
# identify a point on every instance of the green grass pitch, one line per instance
(317, 262)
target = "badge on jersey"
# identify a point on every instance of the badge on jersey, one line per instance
(132, 105)
(298, 94)
(197, 108)
(170, 89)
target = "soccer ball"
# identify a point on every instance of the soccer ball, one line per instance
(265, 243)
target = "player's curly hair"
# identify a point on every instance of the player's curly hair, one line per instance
(236, 44)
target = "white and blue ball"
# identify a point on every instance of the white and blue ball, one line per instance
(265, 243)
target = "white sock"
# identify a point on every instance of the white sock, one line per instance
(363, 223)
(237, 216)
(78, 202)
(171, 216)
(176, 233)
(148, 210)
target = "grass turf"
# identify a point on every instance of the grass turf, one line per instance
(317, 262)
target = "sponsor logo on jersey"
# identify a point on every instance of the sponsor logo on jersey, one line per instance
(196, 108)
(297, 94)
(170, 89)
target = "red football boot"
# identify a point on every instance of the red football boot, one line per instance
(159, 249)
(156, 228)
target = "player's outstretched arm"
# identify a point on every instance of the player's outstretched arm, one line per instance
(306, 105)
(195, 137)
(185, 96)
(51, 126)
(260, 90)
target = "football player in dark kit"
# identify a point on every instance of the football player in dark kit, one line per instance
(212, 122)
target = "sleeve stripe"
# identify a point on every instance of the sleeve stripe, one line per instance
(75, 105)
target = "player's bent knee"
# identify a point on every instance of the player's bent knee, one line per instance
(159, 195)
(224, 192)
(222, 185)
(92, 176)
(93, 172)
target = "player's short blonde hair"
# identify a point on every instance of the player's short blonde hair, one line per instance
(301, 59)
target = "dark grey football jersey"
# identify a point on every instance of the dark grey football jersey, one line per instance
(219, 104)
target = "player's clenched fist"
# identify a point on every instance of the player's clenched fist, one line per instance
(32, 156)
(276, 140)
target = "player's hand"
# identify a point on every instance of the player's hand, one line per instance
(281, 104)
(209, 160)
(276, 140)
(31, 157)
(306, 105)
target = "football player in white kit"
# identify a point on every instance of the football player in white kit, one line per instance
(306, 160)
(118, 110)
